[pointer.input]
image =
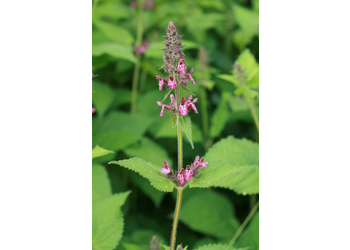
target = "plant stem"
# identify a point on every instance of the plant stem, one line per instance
(94, 4)
(255, 117)
(136, 73)
(244, 224)
(176, 218)
(179, 132)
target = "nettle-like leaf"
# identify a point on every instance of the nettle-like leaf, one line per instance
(233, 164)
(101, 186)
(186, 127)
(149, 171)
(108, 222)
(213, 215)
(97, 151)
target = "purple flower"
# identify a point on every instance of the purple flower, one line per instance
(142, 49)
(188, 173)
(172, 82)
(180, 176)
(181, 67)
(166, 169)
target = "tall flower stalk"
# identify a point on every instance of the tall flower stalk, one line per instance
(179, 107)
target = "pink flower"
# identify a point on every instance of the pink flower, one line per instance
(190, 105)
(172, 82)
(142, 49)
(197, 164)
(183, 109)
(93, 110)
(148, 4)
(166, 169)
(181, 67)
(164, 106)
(180, 176)
(161, 82)
(188, 173)
(189, 76)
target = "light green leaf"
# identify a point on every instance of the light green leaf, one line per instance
(102, 97)
(173, 120)
(98, 151)
(250, 68)
(186, 127)
(111, 10)
(229, 78)
(238, 105)
(233, 164)
(116, 50)
(213, 215)
(108, 222)
(247, 19)
(220, 116)
(115, 32)
(101, 187)
(149, 171)
(250, 236)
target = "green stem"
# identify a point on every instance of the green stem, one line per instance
(252, 109)
(136, 73)
(176, 218)
(94, 4)
(244, 224)
(179, 132)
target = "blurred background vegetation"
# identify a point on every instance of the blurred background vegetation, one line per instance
(127, 121)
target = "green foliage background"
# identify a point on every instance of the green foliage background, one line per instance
(216, 34)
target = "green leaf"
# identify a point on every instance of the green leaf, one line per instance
(108, 222)
(186, 127)
(164, 129)
(233, 164)
(98, 151)
(173, 120)
(250, 68)
(229, 78)
(101, 187)
(238, 104)
(126, 122)
(102, 97)
(219, 117)
(116, 50)
(213, 215)
(168, 91)
(115, 32)
(149, 151)
(187, 89)
(149, 171)
(114, 139)
(250, 236)
(247, 19)
(128, 246)
(111, 10)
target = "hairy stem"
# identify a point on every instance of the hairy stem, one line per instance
(176, 218)
(244, 224)
(136, 73)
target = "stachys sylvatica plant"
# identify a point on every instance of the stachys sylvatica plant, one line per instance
(221, 168)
